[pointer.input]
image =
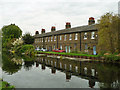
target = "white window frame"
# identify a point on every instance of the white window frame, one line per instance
(51, 38)
(85, 35)
(92, 35)
(70, 37)
(48, 39)
(54, 38)
(60, 37)
(65, 37)
(76, 36)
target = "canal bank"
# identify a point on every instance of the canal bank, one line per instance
(77, 56)
(61, 73)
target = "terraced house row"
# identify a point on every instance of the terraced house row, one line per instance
(82, 38)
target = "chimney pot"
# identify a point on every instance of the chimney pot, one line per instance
(91, 21)
(68, 25)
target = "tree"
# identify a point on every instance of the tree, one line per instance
(28, 39)
(10, 32)
(109, 33)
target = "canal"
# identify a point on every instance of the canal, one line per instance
(46, 72)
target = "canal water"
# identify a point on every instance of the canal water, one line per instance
(46, 72)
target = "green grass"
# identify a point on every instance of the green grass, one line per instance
(111, 57)
(71, 54)
(5, 85)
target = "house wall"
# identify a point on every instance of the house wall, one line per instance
(73, 45)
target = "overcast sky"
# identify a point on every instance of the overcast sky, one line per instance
(33, 15)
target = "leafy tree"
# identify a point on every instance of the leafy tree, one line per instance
(10, 32)
(28, 39)
(109, 33)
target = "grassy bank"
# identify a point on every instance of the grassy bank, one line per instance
(71, 54)
(5, 85)
(108, 58)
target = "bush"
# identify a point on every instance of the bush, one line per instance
(27, 49)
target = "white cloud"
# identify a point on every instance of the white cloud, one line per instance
(32, 15)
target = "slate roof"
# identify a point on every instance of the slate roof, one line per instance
(70, 30)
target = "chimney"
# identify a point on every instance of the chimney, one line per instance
(37, 32)
(53, 28)
(42, 31)
(91, 21)
(68, 25)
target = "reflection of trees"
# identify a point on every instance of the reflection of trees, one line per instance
(9, 66)
(109, 76)
(28, 65)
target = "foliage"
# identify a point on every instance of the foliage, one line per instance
(11, 31)
(6, 86)
(17, 42)
(27, 49)
(109, 33)
(28, 39)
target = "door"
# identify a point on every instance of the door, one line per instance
(50, 48)
(69, 49)
(66, 49)
(94, 50)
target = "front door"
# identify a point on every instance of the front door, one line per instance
(66, 49)
(69, 49)
(94, 50)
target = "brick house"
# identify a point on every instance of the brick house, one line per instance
(82, 38)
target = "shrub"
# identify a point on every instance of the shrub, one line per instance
(27, 49)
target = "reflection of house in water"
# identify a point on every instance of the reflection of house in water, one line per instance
(91, 71)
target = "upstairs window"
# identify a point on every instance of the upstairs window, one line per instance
(51, 38)
(48, 39)
(76, 36)
(92, 35)
(60, 37)
(70, 37)
(42, 39)
(85, 35)
(65, 37)
(54, 38)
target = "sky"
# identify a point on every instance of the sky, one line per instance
(33, 15)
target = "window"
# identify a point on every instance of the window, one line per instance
(93, 35)
(48, 39)
(76, 36)
(42, 39)
(85, 35)
(70, 37)
(60, 37)
(54, 46)
(65, 37)
(75, 46)
(51, 38)
(86, 47)
(54, 38)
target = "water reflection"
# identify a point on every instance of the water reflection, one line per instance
(9, 66)
(108, 75)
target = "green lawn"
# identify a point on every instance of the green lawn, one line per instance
(72, 54)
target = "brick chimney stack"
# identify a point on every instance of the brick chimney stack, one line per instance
(68, 25)
(91, 21)
(42, 31)
(37, 32)
(53, 28)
